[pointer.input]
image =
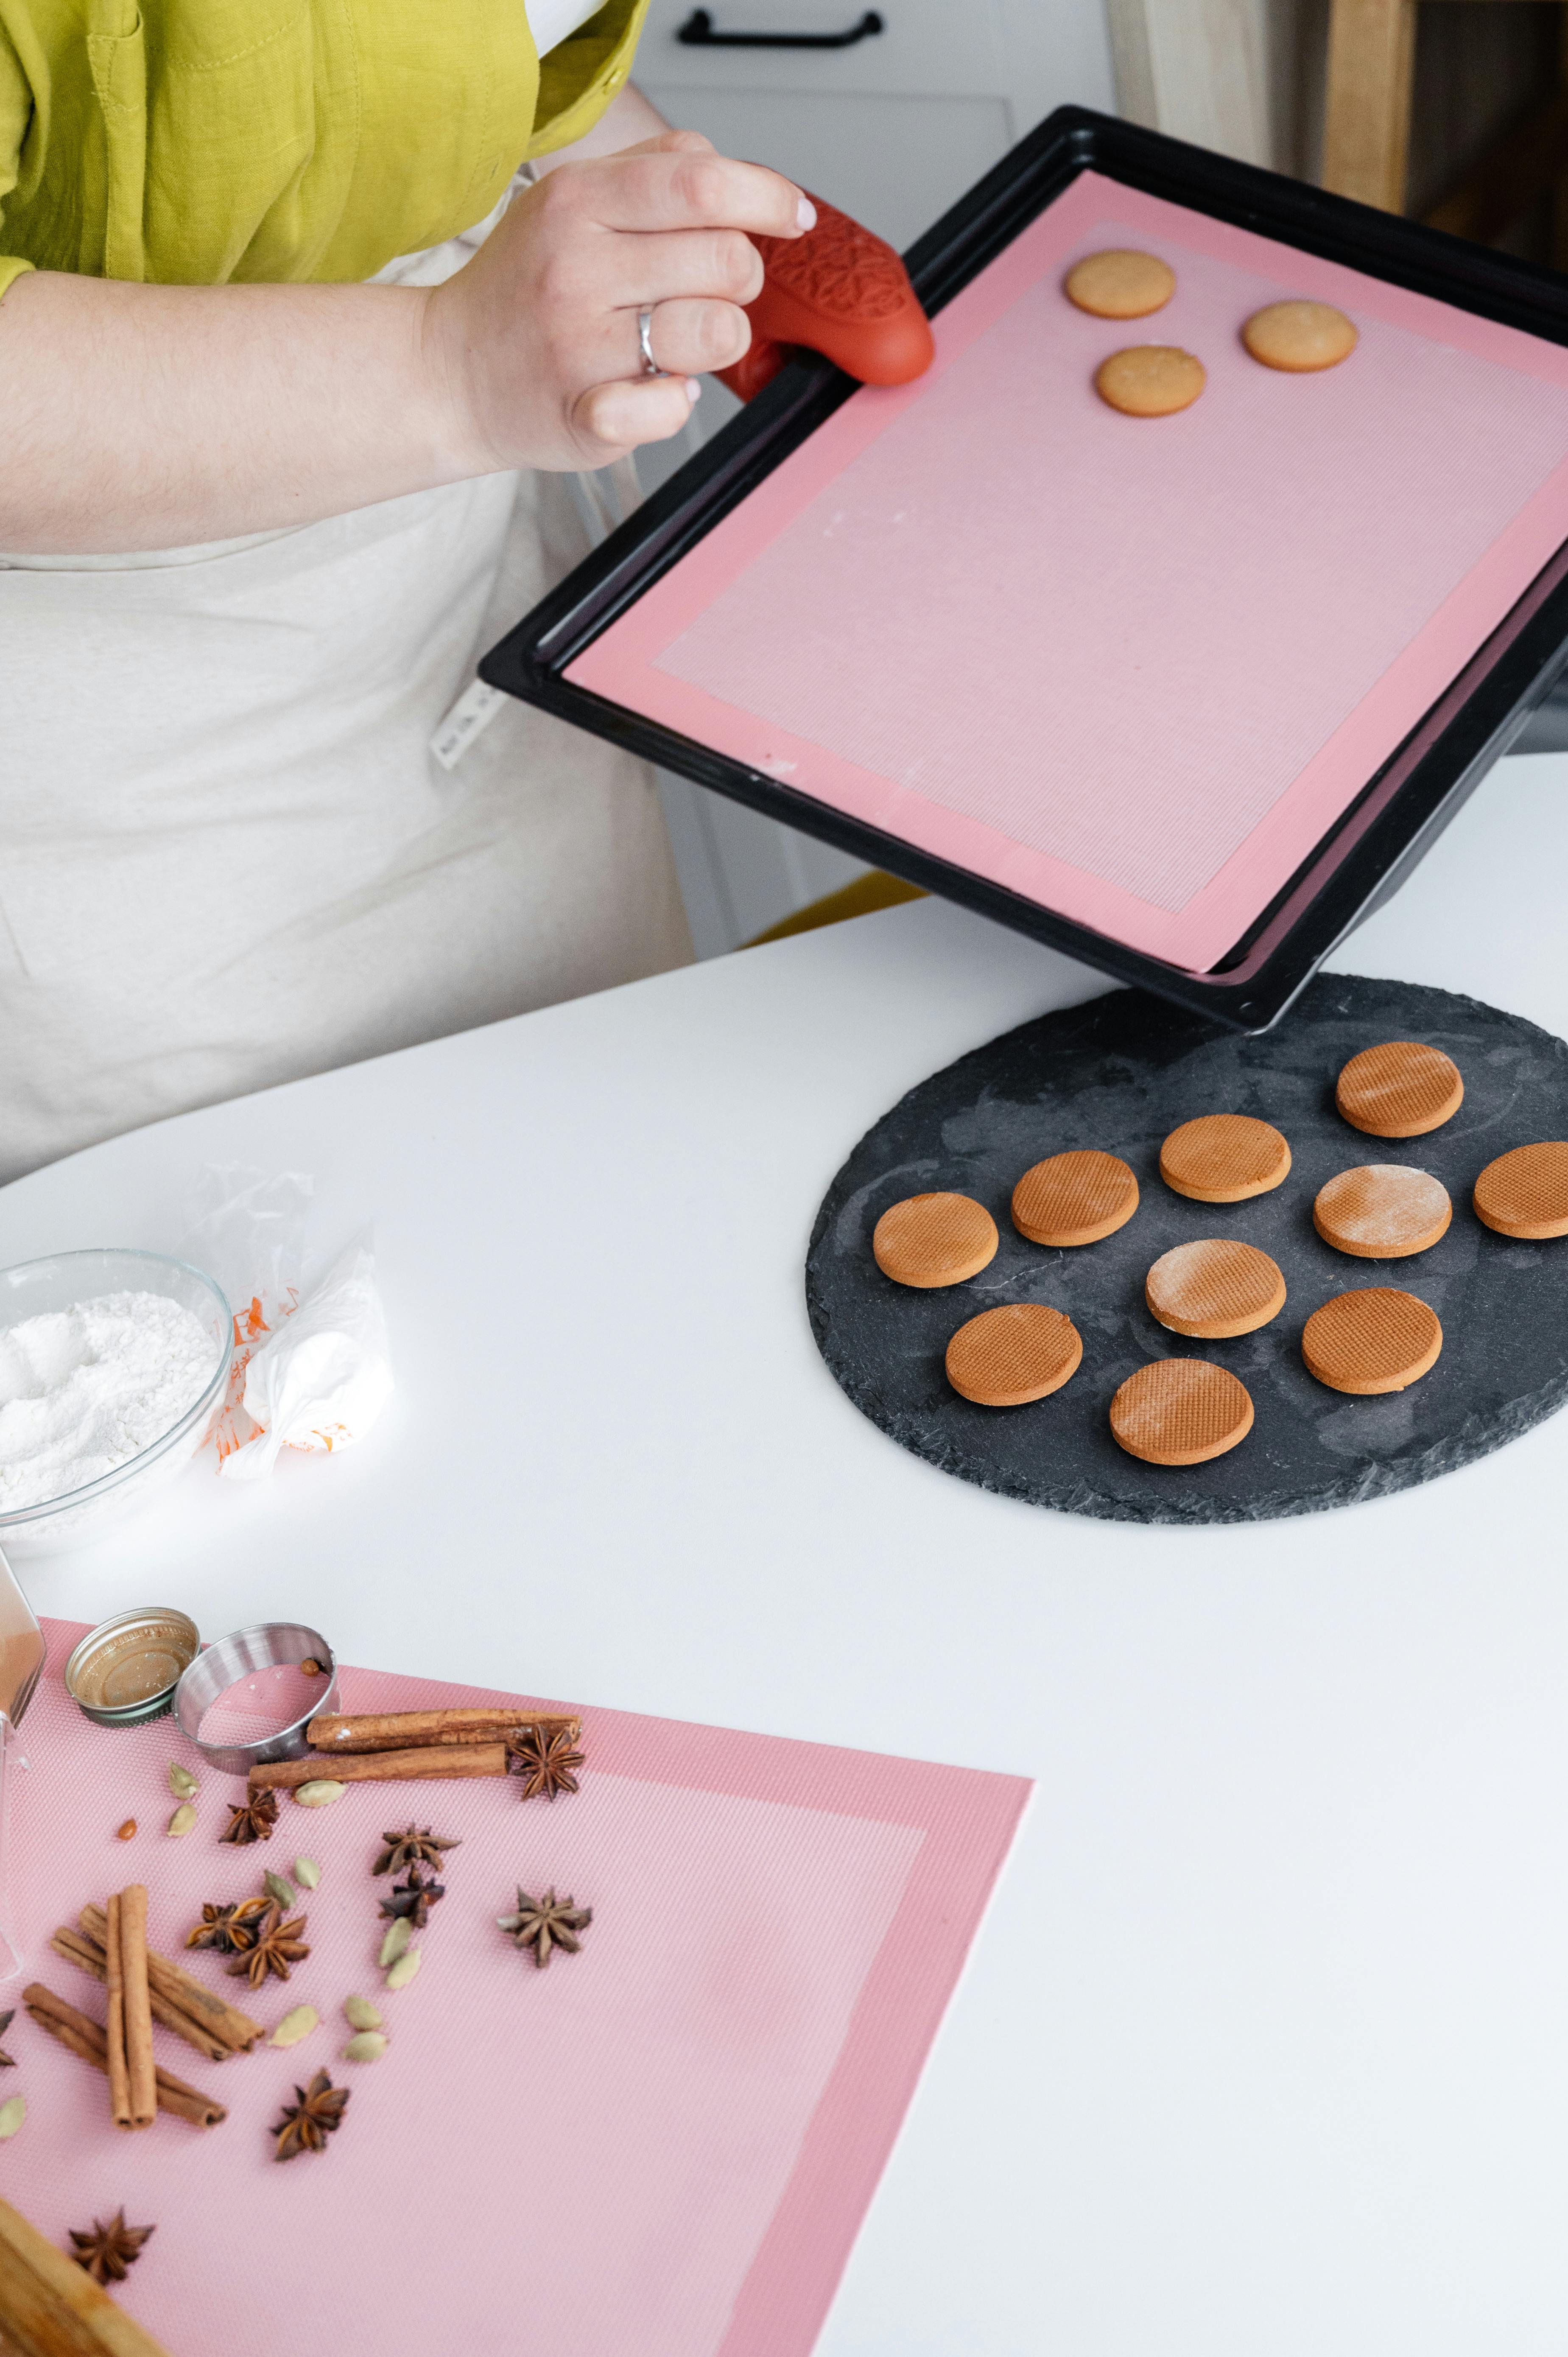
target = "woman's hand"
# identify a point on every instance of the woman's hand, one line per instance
(533, 345)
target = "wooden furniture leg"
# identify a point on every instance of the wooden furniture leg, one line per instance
(1371, 61)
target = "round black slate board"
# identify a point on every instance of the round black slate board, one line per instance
(1121, 1073)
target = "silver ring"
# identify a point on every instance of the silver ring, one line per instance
(645, 341)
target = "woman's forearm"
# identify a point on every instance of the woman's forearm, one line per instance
(159, 416)
(139, 418)
(135, 416)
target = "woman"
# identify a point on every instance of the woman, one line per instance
(275, 349)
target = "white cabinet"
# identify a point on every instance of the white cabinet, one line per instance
(894, 128)
(897, 126)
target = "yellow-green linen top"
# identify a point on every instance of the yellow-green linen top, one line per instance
(202, 141)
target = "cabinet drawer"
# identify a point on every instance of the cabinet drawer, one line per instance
(926, 48)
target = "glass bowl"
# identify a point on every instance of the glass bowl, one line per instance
(36, 1287)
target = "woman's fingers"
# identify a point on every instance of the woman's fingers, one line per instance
(688, 339)
(611, 418)
(681, 189)
(721, 262)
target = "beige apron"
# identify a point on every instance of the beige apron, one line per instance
(228, 856)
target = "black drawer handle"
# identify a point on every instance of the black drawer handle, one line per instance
(698, 33)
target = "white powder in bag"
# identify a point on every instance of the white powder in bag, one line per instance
(85, 1389)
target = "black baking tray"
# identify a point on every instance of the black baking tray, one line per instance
(1404, 806)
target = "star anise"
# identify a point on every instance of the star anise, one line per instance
(278, 1945)
(544, 1760)
(7, 2062)
(415, 1845)
(254, 1821)
(545, 1923)
(230, 1931)
(415, 1897)
(307, 2125)
(111, 2249)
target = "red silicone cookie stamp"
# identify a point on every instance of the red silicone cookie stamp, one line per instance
(841, 292)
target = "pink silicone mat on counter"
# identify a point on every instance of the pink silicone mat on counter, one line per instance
(1132, 669)
(661, 2147)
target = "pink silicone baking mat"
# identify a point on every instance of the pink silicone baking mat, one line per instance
(1131, 669)
(661, 2147)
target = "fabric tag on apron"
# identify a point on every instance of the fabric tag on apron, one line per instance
(472, 713)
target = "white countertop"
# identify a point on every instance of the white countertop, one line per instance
(1263, 2047)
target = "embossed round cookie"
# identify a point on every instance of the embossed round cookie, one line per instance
(1074, 1199)
(1120, 285)
(1223, 1157)
(1525, 1193)
(1373, 1339)
(931, 1240)
(1382, 1211)
(1150, 380)
(1213, 1287)
(1012, 1354)
(1299, 337)
(1398, 1088)
(1180, 1412)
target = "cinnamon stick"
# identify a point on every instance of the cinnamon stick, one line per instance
(395, 1730)
(139, 2065)
(88, 1956)
(115, 2032)
(88, 2039)
(462, 1760)
(210, 2012)
(187, 2103)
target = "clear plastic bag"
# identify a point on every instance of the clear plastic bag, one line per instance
(321, 1380)
(247, 1229)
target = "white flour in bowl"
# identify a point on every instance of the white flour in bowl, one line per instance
(84, 1389)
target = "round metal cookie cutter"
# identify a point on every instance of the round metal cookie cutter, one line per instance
(272, 1644)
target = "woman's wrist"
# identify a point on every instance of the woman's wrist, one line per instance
(446, 369)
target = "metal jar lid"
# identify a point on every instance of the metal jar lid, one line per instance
(126, 1669)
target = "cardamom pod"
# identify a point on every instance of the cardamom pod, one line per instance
(320, 1793)
(307, 1873)
(11, 2113)
(181, 1782)
(367, 2046)
(361, 2014)
(399, 1934)
(297, 2023)
(276, 1887)
(182, 1822)
(403, 1971)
